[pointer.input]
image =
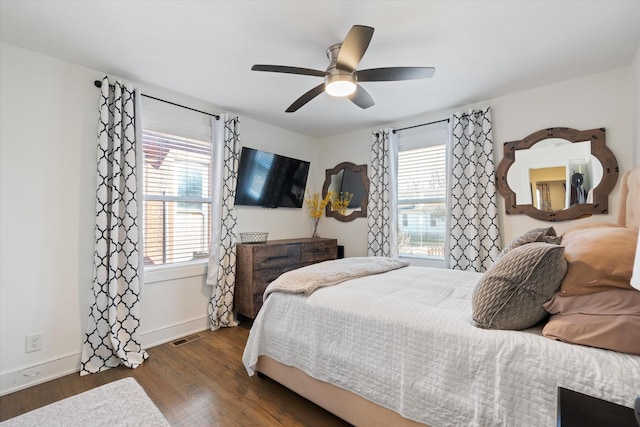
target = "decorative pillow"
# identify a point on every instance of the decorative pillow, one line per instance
(609, 319)
(599, 258)
(547, 234)
(513, 290)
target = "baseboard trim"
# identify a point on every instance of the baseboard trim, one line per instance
(172, 332)
(13, 381)
(38, 374)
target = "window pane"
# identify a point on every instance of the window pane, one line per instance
(422, 201)
(168, 160)
(422, 173)
(177, 198)
(421, 231)
(172, 234)
(189, 186)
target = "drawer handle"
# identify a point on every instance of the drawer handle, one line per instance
(322, 253)
(276, 257)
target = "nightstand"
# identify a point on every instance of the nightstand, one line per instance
(580, 410)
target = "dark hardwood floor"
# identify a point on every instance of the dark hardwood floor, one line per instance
(201, 383)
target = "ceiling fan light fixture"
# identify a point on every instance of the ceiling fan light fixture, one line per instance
(340, 85)
(342, 75)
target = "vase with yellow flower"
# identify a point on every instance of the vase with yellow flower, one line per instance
(316, 205)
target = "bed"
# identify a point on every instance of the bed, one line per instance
(403, 347)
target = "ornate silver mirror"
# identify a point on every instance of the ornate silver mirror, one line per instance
(350, 186)
(558, 174)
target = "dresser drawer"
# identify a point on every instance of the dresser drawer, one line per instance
(276, 256)
(261, 278)
(319, 251)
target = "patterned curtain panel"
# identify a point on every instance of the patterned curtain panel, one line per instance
(382, 208)
(222, 260)
(114, 320)
(474, 232)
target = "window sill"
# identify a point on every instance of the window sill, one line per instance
(163, 273)
(424, 261)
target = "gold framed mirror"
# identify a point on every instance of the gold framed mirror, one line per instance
(558, 174)
(350, 185)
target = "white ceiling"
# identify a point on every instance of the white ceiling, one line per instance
(205, 49)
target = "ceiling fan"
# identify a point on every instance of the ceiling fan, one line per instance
(341, 77)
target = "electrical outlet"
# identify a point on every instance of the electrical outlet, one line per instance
(33, 343)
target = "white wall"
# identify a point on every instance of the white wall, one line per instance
(46, 222)
(280, 223)
(48, 113)
(351, 147)
(601, 100)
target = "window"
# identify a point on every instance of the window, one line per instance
(176, 187)
(422, 179)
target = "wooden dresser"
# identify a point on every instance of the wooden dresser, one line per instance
(257, 265)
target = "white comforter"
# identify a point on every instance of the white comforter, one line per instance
(406, 341)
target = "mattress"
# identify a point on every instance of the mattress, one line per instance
(406, 341)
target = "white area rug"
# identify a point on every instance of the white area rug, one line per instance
(120, 403)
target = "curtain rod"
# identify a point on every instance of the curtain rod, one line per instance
(98, 83)
(421, 124)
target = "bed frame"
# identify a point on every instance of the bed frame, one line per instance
(342, 403)
(361, 412)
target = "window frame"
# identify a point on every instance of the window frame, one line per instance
(161, 117)
(434, 134)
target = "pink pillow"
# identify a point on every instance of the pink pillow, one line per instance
(609, 320)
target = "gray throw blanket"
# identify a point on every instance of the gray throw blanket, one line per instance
(307, 279)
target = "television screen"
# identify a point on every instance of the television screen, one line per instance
(270, 180)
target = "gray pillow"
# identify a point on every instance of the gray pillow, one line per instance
(546, 234)
(511, 293)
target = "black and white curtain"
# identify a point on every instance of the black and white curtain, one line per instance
(113, 330)
(221, 273)
(473, 232)
(382, 208)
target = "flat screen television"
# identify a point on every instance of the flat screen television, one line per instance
(270, 180)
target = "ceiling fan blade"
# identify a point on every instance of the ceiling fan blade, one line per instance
(394, 73)
(306, 98)
(362, 98)
(353, 47)
(288, 70)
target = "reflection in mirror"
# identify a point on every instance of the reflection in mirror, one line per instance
(558, 174)
(350, 185)
(342, 197)
(549, 188)
(556, 160)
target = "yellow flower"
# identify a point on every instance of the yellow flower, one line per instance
(316, 203)
(340, 202)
